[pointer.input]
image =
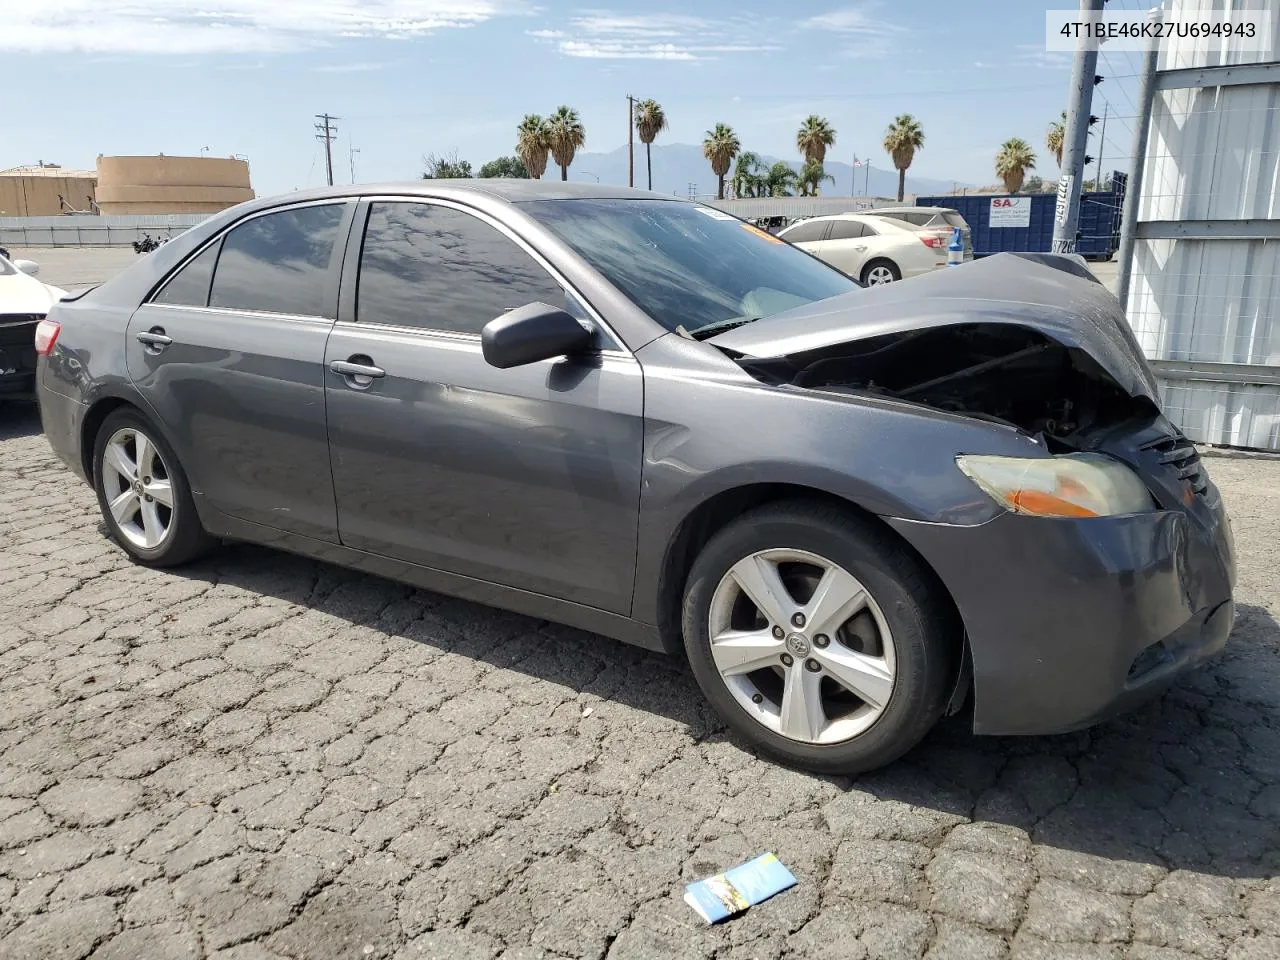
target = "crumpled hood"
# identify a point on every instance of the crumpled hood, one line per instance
(1054, 295)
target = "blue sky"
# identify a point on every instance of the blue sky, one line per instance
(410, 77)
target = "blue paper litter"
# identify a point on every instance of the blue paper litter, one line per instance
(731, 892)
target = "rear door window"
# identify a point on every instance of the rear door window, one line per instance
(847, 230)
(189, 287)
(279, 262)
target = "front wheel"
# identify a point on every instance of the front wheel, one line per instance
(880, 271)
(143, 493)
(818, 637)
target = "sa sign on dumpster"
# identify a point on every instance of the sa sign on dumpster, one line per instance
(1010, 212)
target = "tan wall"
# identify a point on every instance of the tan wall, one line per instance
(38, 196)
(171, 184)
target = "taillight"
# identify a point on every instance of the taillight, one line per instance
(932, 241)
(46, 336)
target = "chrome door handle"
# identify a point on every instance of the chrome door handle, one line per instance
(346, 368)
(154, 338)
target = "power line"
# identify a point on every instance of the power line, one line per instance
(326, 132)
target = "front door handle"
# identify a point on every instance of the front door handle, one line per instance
(154, 339)
(359, 371)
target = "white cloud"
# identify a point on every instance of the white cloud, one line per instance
(864, 31)
(227, 26)
(604, 35)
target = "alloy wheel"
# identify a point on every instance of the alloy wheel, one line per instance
(878, 275)
(138, 488)
(802, 646)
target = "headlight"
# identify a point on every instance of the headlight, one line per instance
(1071, 485)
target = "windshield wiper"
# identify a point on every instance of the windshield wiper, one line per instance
(720, 326)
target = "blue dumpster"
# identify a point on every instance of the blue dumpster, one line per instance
(1024, 222)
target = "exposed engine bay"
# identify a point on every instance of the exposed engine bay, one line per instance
(997, 371)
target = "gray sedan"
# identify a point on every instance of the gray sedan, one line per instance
(853, 510)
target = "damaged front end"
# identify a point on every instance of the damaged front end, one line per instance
(1009, 374)
(1027, 342)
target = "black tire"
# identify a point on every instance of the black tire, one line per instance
(186, 539)
(925, 631)
(879, 262)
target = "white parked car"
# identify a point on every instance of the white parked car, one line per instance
(24, 301)
(935, 223)
(871, 249)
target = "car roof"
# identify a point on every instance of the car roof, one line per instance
(889, 211)
(504, 188)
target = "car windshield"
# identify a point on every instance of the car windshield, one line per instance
(690, 267)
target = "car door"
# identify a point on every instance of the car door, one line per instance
(527, 477)
(229, 354)
(844, 248)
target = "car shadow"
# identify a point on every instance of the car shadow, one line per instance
(1190, 781)
(19, 418)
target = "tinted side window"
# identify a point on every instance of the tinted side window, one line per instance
(806, 232)
(846, 230)
(439, 268)
(278, 262)
(189, 287)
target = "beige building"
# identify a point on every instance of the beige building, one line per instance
(46, 191)
(127, 185)
(164, 184)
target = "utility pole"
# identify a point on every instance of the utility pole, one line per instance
(631, 141)
(351, 154)
(326, 131)
(1066, 218)
(1133, 187)
(1102, 149)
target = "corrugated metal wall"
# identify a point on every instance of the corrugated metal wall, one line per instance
(92, 231)
(1205, 295)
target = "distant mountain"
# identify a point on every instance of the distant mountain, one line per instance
(676, 165)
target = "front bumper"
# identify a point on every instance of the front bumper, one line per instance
(1072, 621)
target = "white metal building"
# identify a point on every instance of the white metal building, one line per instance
(1205, 294)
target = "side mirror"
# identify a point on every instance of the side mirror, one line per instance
(29, 267)
(532, 333)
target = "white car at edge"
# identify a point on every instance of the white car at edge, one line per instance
(24, 301)
(874, 250)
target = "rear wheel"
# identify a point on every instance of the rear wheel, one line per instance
(880, 271)
(143, 493)
(818, 637)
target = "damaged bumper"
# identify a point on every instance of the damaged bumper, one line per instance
(1072, 621)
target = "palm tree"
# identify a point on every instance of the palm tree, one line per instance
(812, 176)
(532, 144)
(779, 179)
(650, 121)
(720, 147)
(1013, 161)
(747, 181)
(565, 135)
(901, 141)
(813, 138)
(1054, 138)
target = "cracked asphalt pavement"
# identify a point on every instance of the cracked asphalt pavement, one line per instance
(261, 756)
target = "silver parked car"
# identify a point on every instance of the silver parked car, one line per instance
(851, 509)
